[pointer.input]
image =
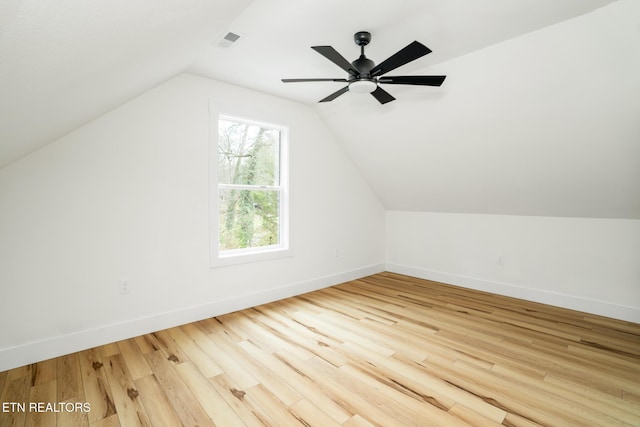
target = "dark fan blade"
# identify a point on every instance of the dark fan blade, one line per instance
(313, 80)
(413, 80)
(382, 95)
(335, 94)
(332, 55)
(413, 51)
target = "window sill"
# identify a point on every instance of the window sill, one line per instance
(249, 257)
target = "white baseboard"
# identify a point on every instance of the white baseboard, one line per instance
(587, 305)
(57, 346)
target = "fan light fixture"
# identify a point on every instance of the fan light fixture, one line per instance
(362, 86)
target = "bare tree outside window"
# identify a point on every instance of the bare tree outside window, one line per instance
(249, 187)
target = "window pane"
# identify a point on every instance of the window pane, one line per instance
(248, 218)
(248, 154)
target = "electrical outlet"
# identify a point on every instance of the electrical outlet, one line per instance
(500, 260)
(124, 287)
(336, 253)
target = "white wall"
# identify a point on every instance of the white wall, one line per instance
(126, 196)
(586, 264)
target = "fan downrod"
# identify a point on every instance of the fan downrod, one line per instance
(363, 64)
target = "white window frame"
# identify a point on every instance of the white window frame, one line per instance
(220, 258)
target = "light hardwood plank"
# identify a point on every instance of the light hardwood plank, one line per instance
(303, 386)
(42, 393)
(72, 418)
(15, 392)
(308, 414)
(96, 385)
(134, 358)
(202, 360)
(178, 393)
(44, 372)
(384, 350)
(212, 403)
(69, 378)
(237, 400)
(112, 421)
(157, 405)
(125, 395)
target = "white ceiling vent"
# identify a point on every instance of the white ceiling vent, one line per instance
(229, 39)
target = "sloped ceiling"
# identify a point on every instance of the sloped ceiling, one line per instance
(546, 124)
(64, 63)
(278, 35)
(536, 116)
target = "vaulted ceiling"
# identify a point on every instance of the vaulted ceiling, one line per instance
(63, 64)
(537, 115)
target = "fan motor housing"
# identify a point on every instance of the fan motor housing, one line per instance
(363, 65)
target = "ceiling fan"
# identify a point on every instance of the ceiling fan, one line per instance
(364, 76)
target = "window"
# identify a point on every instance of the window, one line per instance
(250, 207)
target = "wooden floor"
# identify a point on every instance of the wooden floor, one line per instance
(386, 350)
